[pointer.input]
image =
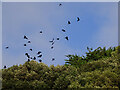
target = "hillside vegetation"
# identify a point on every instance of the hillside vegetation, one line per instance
(98, 69)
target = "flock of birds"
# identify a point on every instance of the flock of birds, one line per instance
(39, 53)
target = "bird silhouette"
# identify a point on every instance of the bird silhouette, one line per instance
(5, 67)
(27, 55)
(69, 22)
(25, 37)
(40, 56)
(63, 30)
(53, 43)
(25, 45)
(66, 37)
(30, 49)
(53, 59)
(39, 52)
(58, 38)
(78, 19)
(28, 60)
(31, 58)
(29, 41)
(40, 60)
(52, 47)
(34, 58)
(60, 4)
(7, 47)
(40, 31)
(51, 40)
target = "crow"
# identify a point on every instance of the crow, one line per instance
(40, 60)
(24, 44)
(40, 31)
(53, 43)
(52, 47)
(53, 59)
(66, 37)
(60, 4)
(39, 52)
(40, 56)
(27, 55)
(69, 22)
(25, 37)
(34, 58)
(58, 38)
(7, 47)
(78, 19)
(51, 40)
(29, 41)
(63, 30)
(30, 49)
(5, 67)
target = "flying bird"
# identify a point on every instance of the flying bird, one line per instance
(39, 52)
(34, 58)
(69, 22)
(24, 44)
(40, 56)
(52, 47)
(53, 59)
(40, 31)
(7, 47)
(25, 37)
(60, 4)
(63, 30)
(53, 43)
(40, 60)
(58, 38)
(29, 41)
(5, 67)
(51, 40)
(30, 49)
(27, 55)
(66, 37)
(28, 60)
(78, 19)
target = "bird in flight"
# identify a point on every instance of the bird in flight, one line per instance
(63, 30)
(66, 37)
(5, 67)
(40, 31)
(30, 49)
(39, 52)
(29, 41)
(40, 56)
(60, 4)
(34, 58)
(28, 60)
(78, 19)
(53, 59)
(24, 44)
(27, 55)
(51, 40)
(7, 47)
(40, 60)
(52, 47)
(69, 22)
(53, 43)
(25, 37)
(58, 38)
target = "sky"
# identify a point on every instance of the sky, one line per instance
(98, 27)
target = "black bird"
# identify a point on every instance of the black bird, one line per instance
(78, 19)
(29, 41)
(40, 31)
(52, 47)
(53, 59)
(34, 58)
(7, 47)
(28, 60)
(53, 43)
(60, 4)
(27, 55)
(40, 56)
(69, 22)
(24, 44)
(40, 60)
(58, 38)
(66, 37)
(63, 30)
(30, 49)
(25, 37)
(39, 52)
(51, 40)
(31, 58)
(5, 67)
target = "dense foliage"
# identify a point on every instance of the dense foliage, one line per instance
(100, 73)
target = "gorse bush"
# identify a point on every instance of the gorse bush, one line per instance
(97, 73)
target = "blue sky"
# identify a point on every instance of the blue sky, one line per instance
(98, 26)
